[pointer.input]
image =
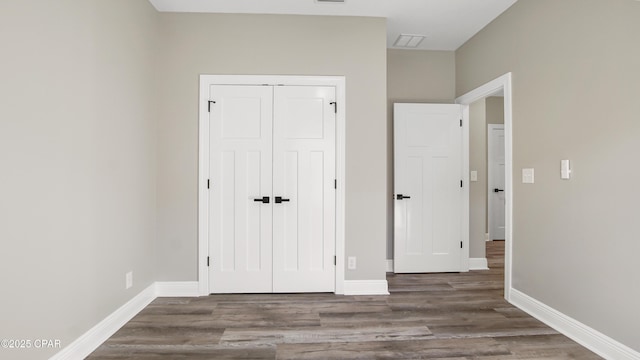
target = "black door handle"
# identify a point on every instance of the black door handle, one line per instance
(264, 200)
(401, 197)
(281, 200)
(497, 190)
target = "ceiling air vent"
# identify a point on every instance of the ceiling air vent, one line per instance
(408, 41)
(331, 1)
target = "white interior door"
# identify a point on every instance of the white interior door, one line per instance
(303, 178)
(241, 173)
(428, 193)
(496, 195)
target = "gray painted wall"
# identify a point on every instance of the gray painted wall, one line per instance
(77, 148)
(414, 76)
(575, 88)
(195, 44)
(495, 110)
(478, 189)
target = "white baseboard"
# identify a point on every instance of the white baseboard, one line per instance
(366, 287)
(89, 341)
(389, 265)
(586, 336)
(478, 264)
(92, 339)
(177, 289)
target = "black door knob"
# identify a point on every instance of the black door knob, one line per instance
(401, 197)
(280, 200)
(264, 200)
(497, 190)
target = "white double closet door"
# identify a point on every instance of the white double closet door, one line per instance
(272, 196)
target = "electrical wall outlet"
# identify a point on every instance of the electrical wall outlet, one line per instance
(351, 263)
(128, 279)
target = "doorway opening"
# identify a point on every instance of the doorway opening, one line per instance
(499, 86)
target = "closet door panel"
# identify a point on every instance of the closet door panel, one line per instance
(241, 176)
(303, 177)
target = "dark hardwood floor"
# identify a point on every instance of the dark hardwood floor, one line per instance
(427, 316)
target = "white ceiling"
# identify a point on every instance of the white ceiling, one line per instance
(447, 24)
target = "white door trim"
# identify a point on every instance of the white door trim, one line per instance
(203, 161)
(490, 175)
(501, 84)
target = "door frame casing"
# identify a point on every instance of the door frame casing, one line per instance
(339, 82)
(502, 84)
(490, 175)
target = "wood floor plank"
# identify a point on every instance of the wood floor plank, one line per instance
(293, 308)
(162, 334)
(511, 312)
(555, 346)
(406, 317)
(477, 328)
(397, 350)
(263, 315)
(193, 321)
(206, 353)
(174, 309)
(256, 336)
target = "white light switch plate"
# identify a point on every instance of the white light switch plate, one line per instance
(565, 169)
(528, 176)
(474, 175)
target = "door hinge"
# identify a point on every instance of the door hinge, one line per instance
(208, 184)
(207, 261)
(335, 106)
(211, 102)
(460, 244)
(335, 260)
(460, 122)
(335, 183)
(461, 183)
